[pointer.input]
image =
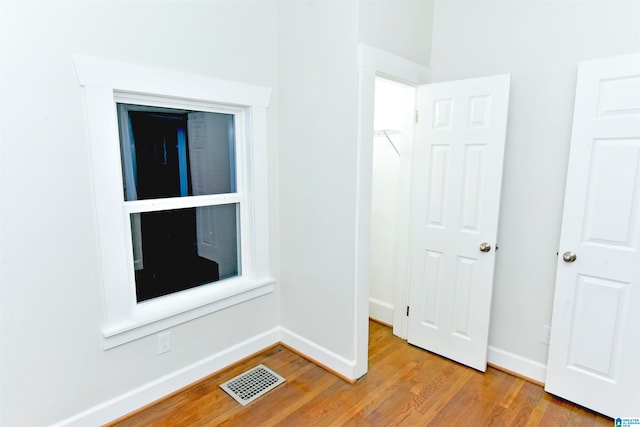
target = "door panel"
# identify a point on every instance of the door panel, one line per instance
(457, 175)
(438, 191)
(212, 165)
(594, 349)
(473, 184)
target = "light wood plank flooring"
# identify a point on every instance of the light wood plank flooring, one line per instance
(405, 386)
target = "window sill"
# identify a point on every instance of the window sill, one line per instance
(165, 312)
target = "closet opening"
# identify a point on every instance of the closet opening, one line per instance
(394, 120)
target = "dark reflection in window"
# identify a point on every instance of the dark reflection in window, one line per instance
(173, 153)
(180, 249)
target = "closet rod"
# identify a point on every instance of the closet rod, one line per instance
(386, 133)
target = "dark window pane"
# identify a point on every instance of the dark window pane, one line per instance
(180, 249)
(172, 153)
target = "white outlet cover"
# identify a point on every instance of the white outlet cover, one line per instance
(164, 342)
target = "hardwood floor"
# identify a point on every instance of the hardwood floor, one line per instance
(405, 386)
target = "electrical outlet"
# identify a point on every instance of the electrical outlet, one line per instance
(546, 334)
(164, 342)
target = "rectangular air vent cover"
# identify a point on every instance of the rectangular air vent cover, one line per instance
(247, 387)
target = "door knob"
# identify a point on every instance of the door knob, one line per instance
(569, 256)
(485, 247)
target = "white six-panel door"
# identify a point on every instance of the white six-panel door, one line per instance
(457, 174)
(594, 354)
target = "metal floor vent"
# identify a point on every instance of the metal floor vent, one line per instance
(247, 387)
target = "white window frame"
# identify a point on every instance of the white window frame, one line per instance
(107, 82)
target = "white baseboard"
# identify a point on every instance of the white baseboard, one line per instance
(163, 386)
(520, 365)
(381, 311)
(319, 354)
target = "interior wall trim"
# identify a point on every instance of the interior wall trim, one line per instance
(381, 311)
(157, 389)
(327, 359)
(166, 385)
(517, 365)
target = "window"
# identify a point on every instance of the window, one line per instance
(179, 169)
(168, 152)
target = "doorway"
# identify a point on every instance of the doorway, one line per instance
(373, 63)
(475, 109)
(393, 130)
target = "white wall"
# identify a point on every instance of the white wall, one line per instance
(317, 132)
(53, 365)
(317, 107)
(384, 214)
(540, 44)
(401, 27)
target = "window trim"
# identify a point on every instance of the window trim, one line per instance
(106, 82)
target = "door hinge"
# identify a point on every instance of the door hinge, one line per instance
(417, 116)
(407, 311)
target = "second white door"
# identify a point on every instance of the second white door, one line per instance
(594, 356)
(457, 174)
